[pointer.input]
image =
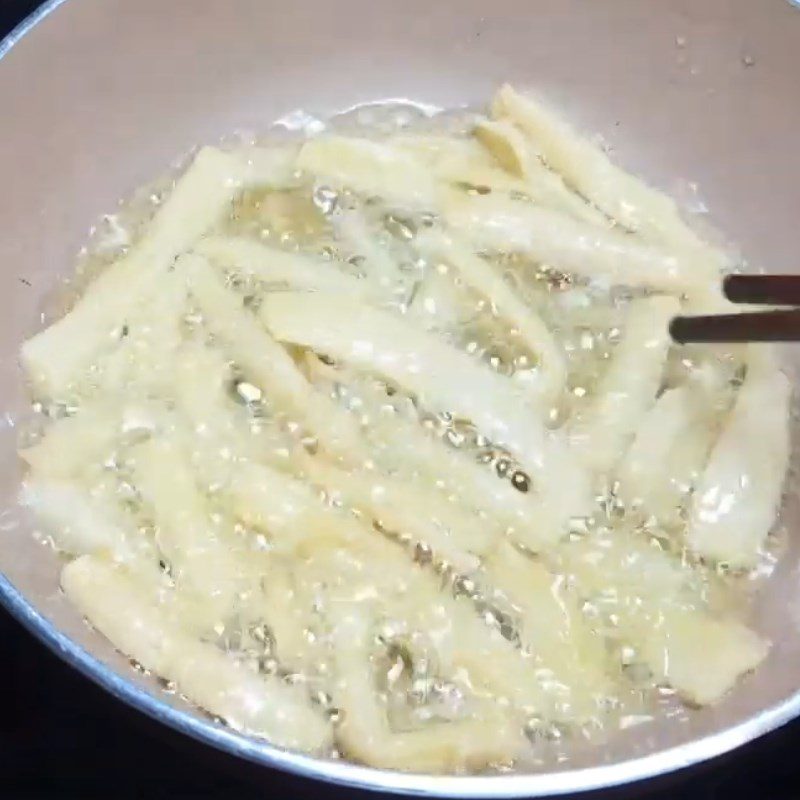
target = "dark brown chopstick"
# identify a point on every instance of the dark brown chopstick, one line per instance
(762, 326)
(773, 290)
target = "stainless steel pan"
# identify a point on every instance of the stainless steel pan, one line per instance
(98, 96)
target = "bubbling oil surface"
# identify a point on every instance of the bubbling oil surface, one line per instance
(586, 319)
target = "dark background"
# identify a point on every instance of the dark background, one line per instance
(61, 736)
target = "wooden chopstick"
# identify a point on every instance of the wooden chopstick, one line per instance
(760, 326)
(773, 290)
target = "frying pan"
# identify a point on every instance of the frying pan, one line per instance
(99, 96)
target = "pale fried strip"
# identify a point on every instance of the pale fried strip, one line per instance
(142, 361)
(352, 228)
(628, 388)
(544, 186)
(589, 171)
(365, 734)
(460, 162)
(56, 356)
(502, 225)
(266, 362)
(700, 655)
(402, 446)
(407, 508)
(268, 499)
(274, 266)
(491, 664)
(69, 443)
(81, 523)
(671, 443)
(553, 629)
(738, 496)
(202, 555)
(654, 606)
(289, 614)
(203, 391)
(443, 378)
(369, 168)
(127, 614)
(484, 278)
